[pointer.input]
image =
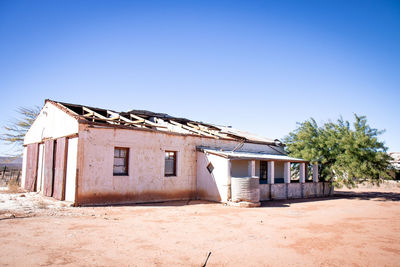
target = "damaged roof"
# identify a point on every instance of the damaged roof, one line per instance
(157, 121)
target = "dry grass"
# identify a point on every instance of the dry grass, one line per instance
(42, 204)
(13, 186)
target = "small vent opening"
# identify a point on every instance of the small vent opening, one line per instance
(210, 167)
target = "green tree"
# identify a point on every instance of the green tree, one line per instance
(15, 131)
(346, 155)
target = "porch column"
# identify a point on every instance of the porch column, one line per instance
(286, 172)
(228, 176)
(271, 172)
(251, 168)
(315, 172)
(302, 172)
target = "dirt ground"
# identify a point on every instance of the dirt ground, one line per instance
(354, 228)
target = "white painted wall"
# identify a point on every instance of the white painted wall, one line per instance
(40, 172)
(239, 168)
(279, 169)
(52, 122)
(24, 167)
(72, 158)
(212, 186)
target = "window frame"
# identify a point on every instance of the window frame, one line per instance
(126, 161)
(175, 163)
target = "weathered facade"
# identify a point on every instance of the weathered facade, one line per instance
(95, 156)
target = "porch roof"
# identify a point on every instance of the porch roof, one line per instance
(248, 155)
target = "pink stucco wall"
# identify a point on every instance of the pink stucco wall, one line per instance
(145, 181)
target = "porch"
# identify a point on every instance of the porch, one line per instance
(253, 177)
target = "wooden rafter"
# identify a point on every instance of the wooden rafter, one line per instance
(192, 129)
(99, 116)
(207, 130)
(123, 119)
(146, 122)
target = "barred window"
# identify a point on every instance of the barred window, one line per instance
(170, 163)
(121, 156)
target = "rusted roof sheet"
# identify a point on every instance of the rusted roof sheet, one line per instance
(157, 121)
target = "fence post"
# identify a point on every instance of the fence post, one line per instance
(19, 173)
(4, 172)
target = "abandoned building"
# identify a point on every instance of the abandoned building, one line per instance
(89, 155)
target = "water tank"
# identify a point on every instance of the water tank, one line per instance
(245, 189)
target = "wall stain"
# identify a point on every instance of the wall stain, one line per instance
(148, 196)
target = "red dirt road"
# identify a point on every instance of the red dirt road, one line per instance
(359, 229)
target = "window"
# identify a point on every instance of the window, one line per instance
(121, 156)
(210, 167)
(263, 172)
(170, 163)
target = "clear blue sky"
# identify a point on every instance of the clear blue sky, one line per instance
(259, 66)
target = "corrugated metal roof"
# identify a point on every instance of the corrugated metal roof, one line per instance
(249, 155)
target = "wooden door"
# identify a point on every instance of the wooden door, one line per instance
(48, 168)
(60, 162)
(31, 167)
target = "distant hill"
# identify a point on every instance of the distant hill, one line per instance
(11, 162)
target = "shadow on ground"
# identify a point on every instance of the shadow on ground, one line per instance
(375, 196)
(172, 203)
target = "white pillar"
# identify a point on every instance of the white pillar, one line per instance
(302, 172)
(251, 168)
(315, 173)
(271, 172)
(286, 172)
(228, 174)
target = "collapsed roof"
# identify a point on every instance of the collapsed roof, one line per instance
(158, 121)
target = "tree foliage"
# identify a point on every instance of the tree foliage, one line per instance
(15, 131)
(346, 155)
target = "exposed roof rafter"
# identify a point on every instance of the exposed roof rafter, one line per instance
(159, 122)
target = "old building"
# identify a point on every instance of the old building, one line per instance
(88, 155)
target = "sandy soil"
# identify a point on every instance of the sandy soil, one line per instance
(354, 228)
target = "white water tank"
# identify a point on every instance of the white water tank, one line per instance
(245, 189)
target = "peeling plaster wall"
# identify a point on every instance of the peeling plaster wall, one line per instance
(265, 192)
(146, 181)
(294, 190)
(51, 123)
(278, 191)
(309, 190)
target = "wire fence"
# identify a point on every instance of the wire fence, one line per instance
(9, 174)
